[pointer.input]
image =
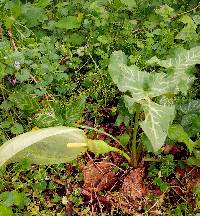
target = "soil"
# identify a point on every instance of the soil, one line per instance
(109, 184)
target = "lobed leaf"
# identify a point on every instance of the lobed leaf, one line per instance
(70, 22)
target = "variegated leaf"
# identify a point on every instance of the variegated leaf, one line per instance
(182, 59)
(181, 62)
(156, 123)
(140, 84)
(192, 107)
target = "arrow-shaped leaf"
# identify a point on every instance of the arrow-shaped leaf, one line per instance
(140, 84)
(156, 123)
(181, 62)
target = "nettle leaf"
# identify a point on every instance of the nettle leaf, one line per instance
(188, 33)
(70, 22)
(56, 115)
(130, 3)
(177, 133)
(48, 118)
(74, 110)
(32, 15)
(10, 198)
(44, 146)
(191, 115)
(156, 123)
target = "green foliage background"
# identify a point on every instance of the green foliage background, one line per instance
(54, 56)
(62, 52)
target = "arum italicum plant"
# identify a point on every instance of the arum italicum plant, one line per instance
(143, 92)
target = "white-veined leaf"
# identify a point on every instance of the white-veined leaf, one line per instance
(181, 62)
(190, 108)
(44, 146)
(182, 59)
(140, 84)
(156, 123)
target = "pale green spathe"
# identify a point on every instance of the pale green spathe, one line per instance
(44, 146)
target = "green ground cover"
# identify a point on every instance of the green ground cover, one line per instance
(66, 63)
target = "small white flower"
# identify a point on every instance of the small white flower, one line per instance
(47, 178)
(17, 65)
(64, 200)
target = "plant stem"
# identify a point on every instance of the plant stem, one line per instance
(134, 139)
(122, 153)
(99, 131)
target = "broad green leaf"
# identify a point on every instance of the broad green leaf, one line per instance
(188, 33)
(190, 119)
(146, 143)
(70, 22)
(5, 211)
(140, 84)
(43, 3)
(156, 123)
(17, 129)
(177, 133)
(190, 108)
(195, 160)
(117, 59)
(124, 139)
(32, 15)
(74, 110)
(130, 104)
(197, 143)
(23, 75)
(122, 119)
(196, 122)
(43, 146)
(124, 114)
(180, 62)
(10, 198)
(130, 3)
(190, 123)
